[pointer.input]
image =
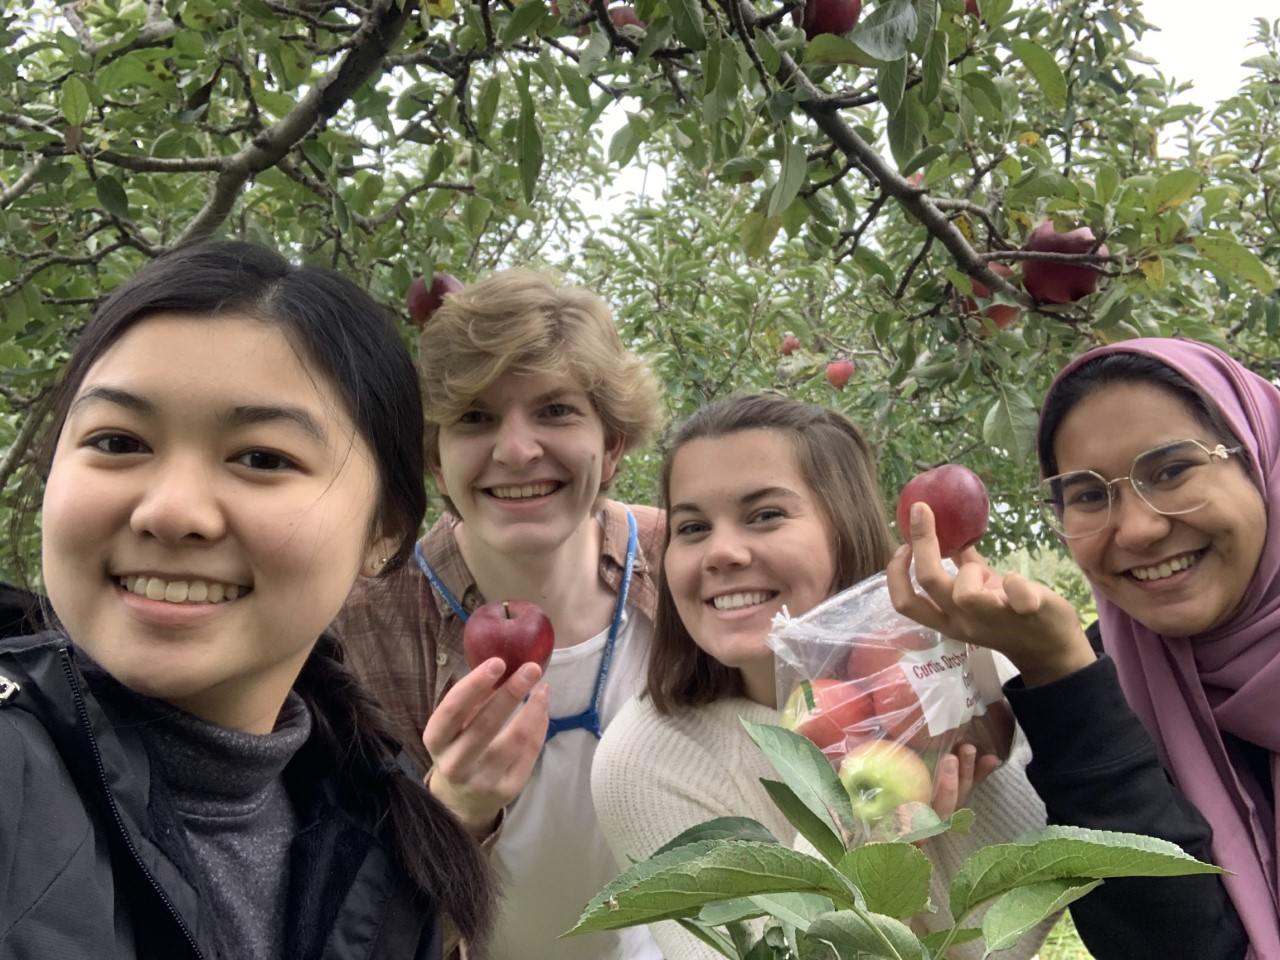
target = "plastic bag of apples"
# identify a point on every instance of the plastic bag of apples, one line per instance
(885, 698)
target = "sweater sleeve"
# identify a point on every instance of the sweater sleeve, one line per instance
(1095, 766)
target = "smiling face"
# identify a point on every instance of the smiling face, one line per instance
(747, 538)
(1180, 575)
(524, 464)
(208, 508)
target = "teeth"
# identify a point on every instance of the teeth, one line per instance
(181, 591)
(520, 493)
(732, 601)
(1166, 569)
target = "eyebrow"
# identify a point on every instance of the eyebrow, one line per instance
(746, 500)
(243, 415)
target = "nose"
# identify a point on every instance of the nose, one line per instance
(1135, 523)
(516, 443)
(180, 501)
(725, 549)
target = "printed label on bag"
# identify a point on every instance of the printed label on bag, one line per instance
(942, 677)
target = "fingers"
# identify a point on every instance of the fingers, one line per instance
(1024, 596)
(946, 785)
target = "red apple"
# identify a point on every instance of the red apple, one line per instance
(423, 301)
(1052, 282)
(958, 499)
(881, 776)
(828, 712)
(624, 16)
(898, 709)
(515, 630)
(1000, 314)
(971, 7)
(839, 372)
(790, 344)
(871, 654)
(826, 16)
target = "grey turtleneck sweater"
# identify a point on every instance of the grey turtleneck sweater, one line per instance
(227, 788)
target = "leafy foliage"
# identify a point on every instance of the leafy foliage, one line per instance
(859, 898)
(846, 189)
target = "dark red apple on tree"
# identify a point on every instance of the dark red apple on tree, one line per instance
(827, 712)
(881, 776)
(971, 7)
(958, 499)
(839, 372)
(790, 344)
(826, 16)
(422, 301)
(1001, 314)
(1053, 282)
(515, 630)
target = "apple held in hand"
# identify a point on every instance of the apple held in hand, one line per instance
(515, 630)
(880, 776)
(422, 301)
(827, 711)
(958, 499)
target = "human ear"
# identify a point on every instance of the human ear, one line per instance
(376, 557)
(612, 455)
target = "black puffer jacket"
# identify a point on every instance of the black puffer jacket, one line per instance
(92, 862)
(1095, 765)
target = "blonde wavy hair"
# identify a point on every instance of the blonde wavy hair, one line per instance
(522, 321)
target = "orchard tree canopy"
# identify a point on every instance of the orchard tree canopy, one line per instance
(848, 189)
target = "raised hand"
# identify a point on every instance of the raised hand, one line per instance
(1034, 627)
(484, 740)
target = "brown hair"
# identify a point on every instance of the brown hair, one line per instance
(839, 468)
(521, 321)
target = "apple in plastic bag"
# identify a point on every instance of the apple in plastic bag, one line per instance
(828, 711)
(881, 776)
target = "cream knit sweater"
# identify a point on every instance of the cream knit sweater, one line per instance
(656, 776)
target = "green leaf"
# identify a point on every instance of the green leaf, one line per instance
(529, 148)
(808, 824)
(864, 938)
(1234, 260)
(686, 17)
(112, 196)
(682, 881)
(1066, 852)
(807, 771)
(721, 828)
(830, 48)
(933, 67)
(758, 232)
(888, 31)
(1108, 183)
(795, 167)
(891, 85)
(1010, 424)
(1016, 912)
(907, 128)
(1174, 189)
(1048, 75)
(893, 877)
(525, 20)
(75, 101)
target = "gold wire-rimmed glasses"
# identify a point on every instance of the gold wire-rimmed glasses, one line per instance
(1170, 479)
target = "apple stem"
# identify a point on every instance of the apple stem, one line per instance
(506, 610)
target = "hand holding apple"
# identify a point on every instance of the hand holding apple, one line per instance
(958, 499)
(515, 630)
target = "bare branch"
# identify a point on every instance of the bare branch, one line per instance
(23, 184)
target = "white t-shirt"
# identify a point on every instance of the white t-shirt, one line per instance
(552, 857)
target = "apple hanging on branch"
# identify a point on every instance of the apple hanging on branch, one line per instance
(790, 344)
(839, 372)
(1000, 314)
(1050, 281)
(422, 301)
(958, 499)
(515, 630)
(826, 16)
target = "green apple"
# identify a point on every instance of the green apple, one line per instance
(881, 775)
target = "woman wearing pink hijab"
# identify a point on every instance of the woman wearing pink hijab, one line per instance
(1160, 459)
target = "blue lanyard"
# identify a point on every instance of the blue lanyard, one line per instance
(588, 719)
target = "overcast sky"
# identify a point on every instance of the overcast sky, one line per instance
(1205, 42)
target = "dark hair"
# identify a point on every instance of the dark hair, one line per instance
(340, 332)
(839, 468)
(1126, 367)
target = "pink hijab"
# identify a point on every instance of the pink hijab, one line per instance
(1189, 691)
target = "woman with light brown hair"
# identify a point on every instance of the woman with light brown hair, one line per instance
(530, 401)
